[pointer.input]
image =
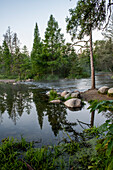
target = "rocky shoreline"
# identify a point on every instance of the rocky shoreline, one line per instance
(74, 99)
(91, 94)
(94, 95)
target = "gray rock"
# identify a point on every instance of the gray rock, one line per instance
(75, 95)
(103, 90)
(67, 95)
(59, 93)
(75, 91)
(55, 101)
(73, 103)
(110, 91)
(48, 93)
(64, 93)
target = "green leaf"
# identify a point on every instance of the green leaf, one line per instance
(110, 166)
(110, 148)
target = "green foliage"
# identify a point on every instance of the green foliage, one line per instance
(86, 16)
(103, 49)
(103, 52)
(53, 95)
(21, 155)
(110, 94)
(105, 144)
(10, 151)
(53, 44)
(6, 59)
(91, 132)
(101, 105)
(36, 56)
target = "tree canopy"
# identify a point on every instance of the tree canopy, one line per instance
(85, 17)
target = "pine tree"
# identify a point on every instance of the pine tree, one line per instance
(36, 52)
(87, 16)
(6, 58)
(53, 44)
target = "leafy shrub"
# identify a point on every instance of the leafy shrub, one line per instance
(104, 147)
(53, 95)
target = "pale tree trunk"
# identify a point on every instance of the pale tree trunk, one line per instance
(92, 63)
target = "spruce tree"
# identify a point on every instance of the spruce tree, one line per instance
(53, 44)
(36, 52)
(6, 58)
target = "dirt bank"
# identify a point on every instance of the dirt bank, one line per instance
(7, 81)
(94, 95)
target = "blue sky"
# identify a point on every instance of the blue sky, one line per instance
(21, 16)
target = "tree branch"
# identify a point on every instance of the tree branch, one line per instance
(108, 8)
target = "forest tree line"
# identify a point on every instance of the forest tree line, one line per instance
(52, 57)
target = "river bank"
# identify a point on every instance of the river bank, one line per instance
(94, 95)
(7, 80)
(86, 95)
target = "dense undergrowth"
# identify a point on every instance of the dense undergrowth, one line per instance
(93, 151)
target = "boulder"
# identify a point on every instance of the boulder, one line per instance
(75, 95)
(67, 95)
(73, 103)
(103, 90)
(59, 93)
(75, 91)
(110, 92)
(55, 101)
(64, 93)
(48, 93)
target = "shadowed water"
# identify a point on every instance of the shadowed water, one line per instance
(25, 110)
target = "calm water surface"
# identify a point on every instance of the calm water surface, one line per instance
(25, 111)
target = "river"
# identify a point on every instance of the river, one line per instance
(25, 111)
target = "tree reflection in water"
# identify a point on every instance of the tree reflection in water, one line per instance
(18, 99)
(56, 113)
(40, 100)
(14, 99)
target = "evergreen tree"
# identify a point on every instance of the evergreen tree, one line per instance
(1, 57)
(8, 38)
(104, 49)
(15, 42)
(103, 52)
(26, 64)
(87, 16)
(36, 52)
(53, 44)
(6, 58)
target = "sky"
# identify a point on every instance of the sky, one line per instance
(22, 15)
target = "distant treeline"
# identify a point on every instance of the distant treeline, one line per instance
(52, 58)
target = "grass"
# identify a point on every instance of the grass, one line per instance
(20, 155)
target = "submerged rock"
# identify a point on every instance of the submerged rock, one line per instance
(55, 101)
(103, 90)
(73, 103)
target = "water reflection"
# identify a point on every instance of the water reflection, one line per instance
(14, 99)
(32, 115)
(40, 101)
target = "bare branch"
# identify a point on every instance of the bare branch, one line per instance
(108, 9)
(82, 41)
